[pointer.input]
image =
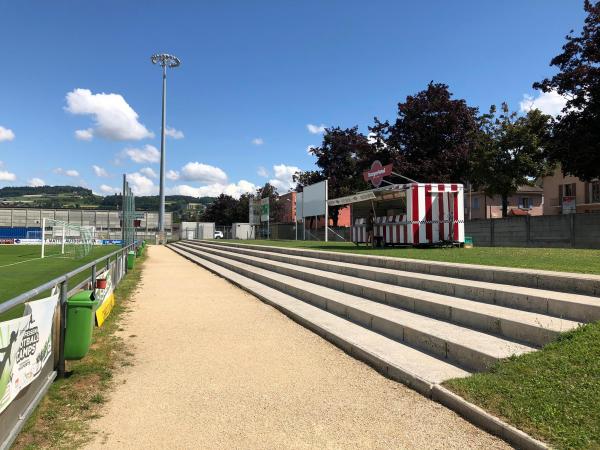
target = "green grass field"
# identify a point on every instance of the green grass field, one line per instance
(552, 394)
(21, 268)
(558, 259)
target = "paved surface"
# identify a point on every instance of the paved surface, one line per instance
(216, 368)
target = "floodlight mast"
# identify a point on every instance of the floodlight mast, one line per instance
(164, 60)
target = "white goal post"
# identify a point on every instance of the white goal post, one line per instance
(67, 239)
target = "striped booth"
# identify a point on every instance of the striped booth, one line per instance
(432, 213)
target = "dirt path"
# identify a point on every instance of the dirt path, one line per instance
(216, 368)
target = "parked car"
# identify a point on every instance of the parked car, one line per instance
(218, 235)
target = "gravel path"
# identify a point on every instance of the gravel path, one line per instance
(215, 367)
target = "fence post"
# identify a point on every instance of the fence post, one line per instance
(63, 328)
(94, 277)
(572, 229)
(491, 232)
(528, 230)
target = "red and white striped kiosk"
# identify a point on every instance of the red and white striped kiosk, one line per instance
(408, 214)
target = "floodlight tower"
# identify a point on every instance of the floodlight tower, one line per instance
(165, 61)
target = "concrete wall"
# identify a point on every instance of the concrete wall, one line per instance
(570, 230)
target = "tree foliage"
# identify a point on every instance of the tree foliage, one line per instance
(510, 152)
(431, 138)
(576, 133)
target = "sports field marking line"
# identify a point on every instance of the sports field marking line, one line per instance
(32, 259)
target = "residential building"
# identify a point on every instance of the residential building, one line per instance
(566, 194)
(527, 201)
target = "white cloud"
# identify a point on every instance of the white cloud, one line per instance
(5, 175)
(67, 172)
(258, 141)
(84, 135)
(148, 172)
(172, 132)
(262, 172)
(172, 175)
(548, 102)
(315, 129)
(36, 182)
(283, 177)
(6, 134)
(99, 171)
(109, 189)
(214, 189)
(114, 119)
(141, 184)
(204, 173)
(147, 154)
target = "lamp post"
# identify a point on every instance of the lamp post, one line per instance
(165, 61)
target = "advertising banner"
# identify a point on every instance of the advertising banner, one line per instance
(315, 199)
(376, 173)
(254, 213)
(25, 346)
(264, 209)
(569, 204)
(105, 297)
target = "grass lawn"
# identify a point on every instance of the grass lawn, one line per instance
(21, 269)
(552, 394)
(558, 259)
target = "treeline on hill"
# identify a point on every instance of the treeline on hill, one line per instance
(18, 191)
(436, 137)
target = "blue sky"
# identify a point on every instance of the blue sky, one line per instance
(254, 75)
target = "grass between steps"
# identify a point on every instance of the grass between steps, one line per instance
(557, 259)
(62, 419)
(552, 394)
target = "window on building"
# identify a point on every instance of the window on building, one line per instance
(476, 203)
(569, 190)
(596, 192)
(525, 203)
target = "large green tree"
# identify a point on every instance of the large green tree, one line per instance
(510, 152)
(576, 133)
(431, 138)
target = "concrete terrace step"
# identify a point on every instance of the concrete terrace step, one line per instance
(468, 348)
(395, 360)
(575, 307)
(576, 283)
(530, 328)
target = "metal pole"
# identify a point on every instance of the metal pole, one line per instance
(43, 230)
(64, 231)
(123, 207)
(161, 209)
(326, 208)
(63, 327)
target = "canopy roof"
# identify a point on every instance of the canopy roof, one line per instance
(389, 192)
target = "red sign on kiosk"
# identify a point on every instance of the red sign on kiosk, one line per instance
(376, 173)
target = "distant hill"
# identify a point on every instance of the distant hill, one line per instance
(60, 197)
(17, 191)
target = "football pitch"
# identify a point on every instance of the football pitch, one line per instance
(21, 267)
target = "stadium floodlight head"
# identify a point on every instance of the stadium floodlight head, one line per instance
(165, 61)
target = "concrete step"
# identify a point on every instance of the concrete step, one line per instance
(574, 307)
(575, 283)
(529, 328)
(468, 348)
(394, 359)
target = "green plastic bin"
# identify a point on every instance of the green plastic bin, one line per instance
(130, 260)
(80, 325)
(140, 251)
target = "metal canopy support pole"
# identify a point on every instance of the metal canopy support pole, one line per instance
(326, 209)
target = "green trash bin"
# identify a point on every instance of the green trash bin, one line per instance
(80, 324)
(140, 251)
(130, 260)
